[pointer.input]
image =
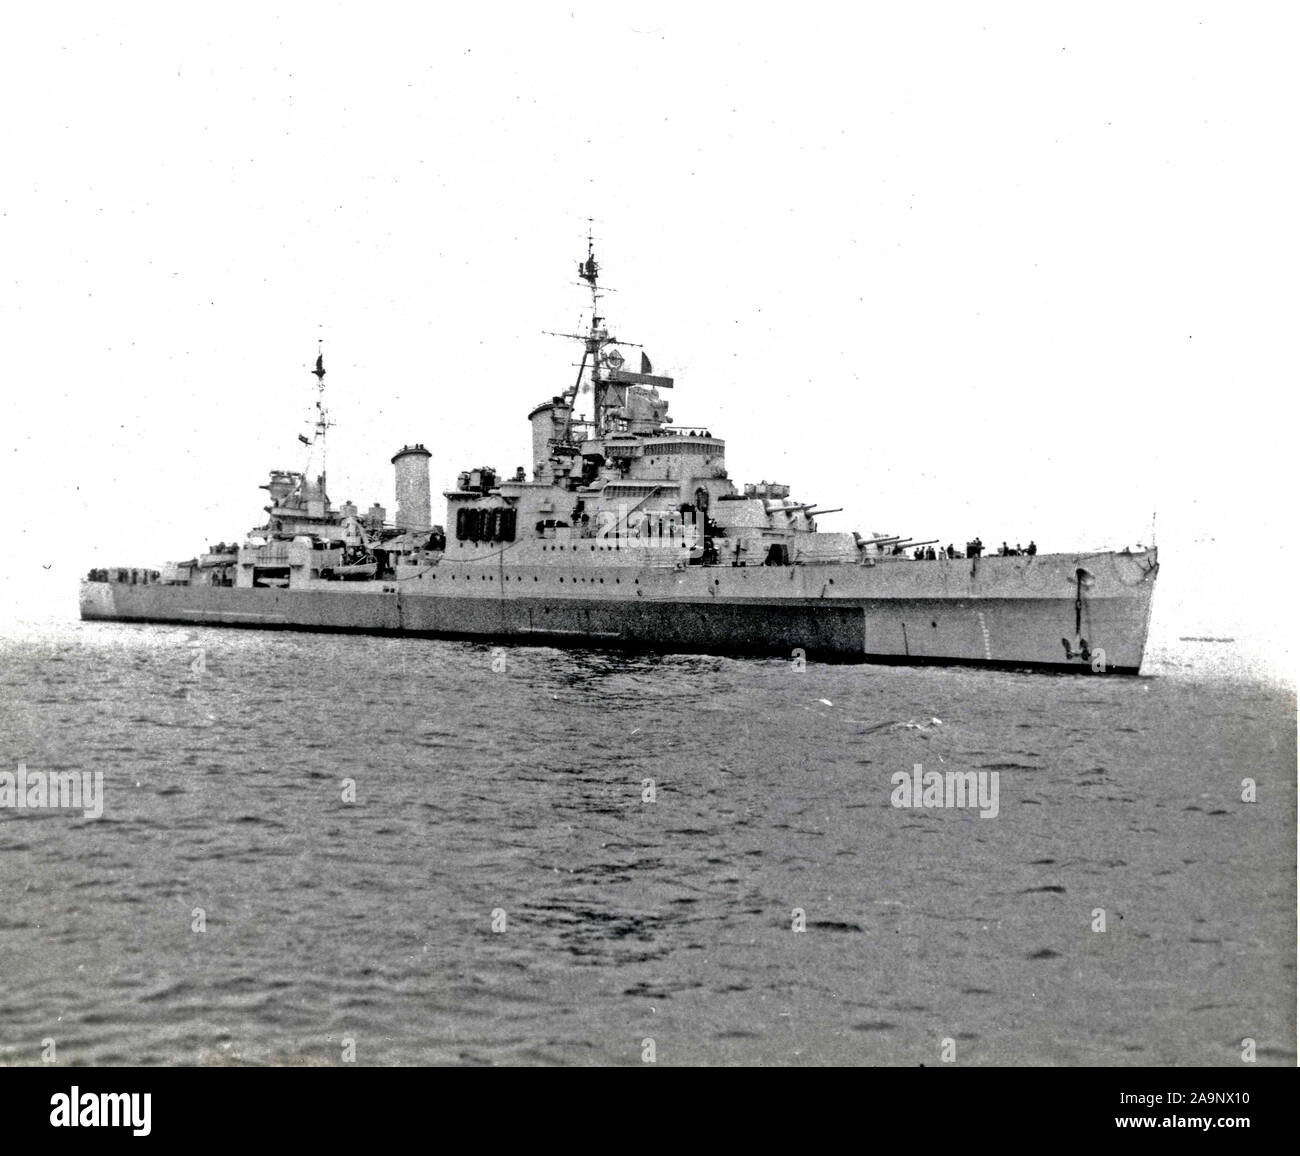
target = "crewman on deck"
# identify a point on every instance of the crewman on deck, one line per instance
(1031, 549)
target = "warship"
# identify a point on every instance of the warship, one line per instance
(629, 532)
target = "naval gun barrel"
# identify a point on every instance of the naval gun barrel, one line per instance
(901, 542)
(808, 508)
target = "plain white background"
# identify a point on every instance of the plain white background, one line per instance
(1015, 270)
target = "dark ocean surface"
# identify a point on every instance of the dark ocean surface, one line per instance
(520, 791)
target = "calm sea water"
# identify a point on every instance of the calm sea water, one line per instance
(519, 792)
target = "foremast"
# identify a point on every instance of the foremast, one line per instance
(600, 353)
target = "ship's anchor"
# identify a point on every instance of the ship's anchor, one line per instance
(1084, 652)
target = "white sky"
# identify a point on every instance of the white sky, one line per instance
(998, 269)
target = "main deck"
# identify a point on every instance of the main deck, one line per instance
(1062, 612)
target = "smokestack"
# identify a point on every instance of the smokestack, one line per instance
(411, 470)
(548, 421)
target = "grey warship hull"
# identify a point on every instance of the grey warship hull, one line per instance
(1028, 612)
(630, 532)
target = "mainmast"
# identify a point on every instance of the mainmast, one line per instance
(316, 453)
